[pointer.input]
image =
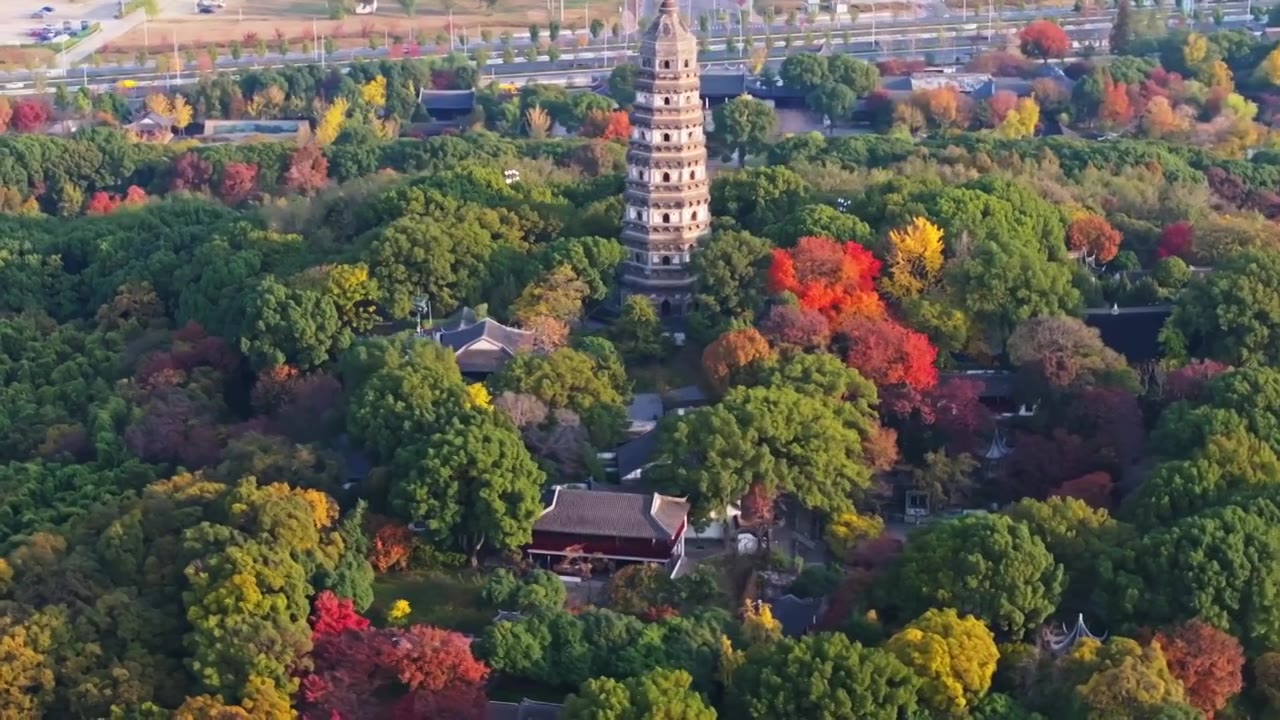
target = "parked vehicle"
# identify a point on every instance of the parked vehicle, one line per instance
(85, 25)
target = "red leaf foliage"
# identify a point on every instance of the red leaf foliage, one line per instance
(190, 172)
(238, 182)
(1117, 109)
(1190, 382)
(836, 280)
(888, 353)
(1176, 241)
(796, 326)
(1044, 39)
(332, 615)
(1208, 661)
(419, 672)
(390, 544)
(101, 203)
(954, 408)
(308, 170)
(1093, 235)
(1095, 489)
(29, 115)
(613, 125)
(1040, 464)
(758, 506)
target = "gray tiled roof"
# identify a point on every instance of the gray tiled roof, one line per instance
(470, 359)
(447, 99)
(796, 615)
(524, 710)
(637, 454)
(613, 514)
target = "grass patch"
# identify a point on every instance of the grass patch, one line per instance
(444, 599)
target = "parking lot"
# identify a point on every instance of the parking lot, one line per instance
(18, 26)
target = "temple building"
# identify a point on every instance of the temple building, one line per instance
(667, 198)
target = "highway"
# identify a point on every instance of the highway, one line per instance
(950, 40)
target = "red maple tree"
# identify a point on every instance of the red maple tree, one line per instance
(101, 203)
(954, 408)
(834, 279)
(1208, 661)
(1093, 235)
(390, 544)
(796, 326)
(134, 196)
(1176, 241)
(606, 125)
(332, 615)
(1044, 39)
(419, 672)
(888, 353)
(308, 170)
(1191, 381)
(1095, 489)
(238, 182)
(190, 172)
(1116, 109)
(1001, 104)
(29, 115)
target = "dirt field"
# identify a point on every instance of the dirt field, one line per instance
(267, 18)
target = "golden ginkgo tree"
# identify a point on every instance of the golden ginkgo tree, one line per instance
(915, 259)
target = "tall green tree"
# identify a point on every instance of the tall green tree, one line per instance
(815, 448)
(833, 100)
(821, 676)
(638, 332)
(1231, 316)
(352, 575)
(743, 127)
(472, 485)
(730, 267)
(985, 565)
(285, 324)
(860, 76)
(804, 72)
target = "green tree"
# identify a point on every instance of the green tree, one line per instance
(622, 85)
(445, 261)
(804, 72)
(814, 448)
(730, 267)
(759, 197)
(1229, 316)
(657, 694)
(821, 676)
(1002, 284)
(986, 565)
(860, 76)
(471, 485)
(743, 127)
(638, 332)
(1219, 566)
(822, 221)
(290, 325)
(833, 100)
(352, 575)
(1075, 534)
(1122, 28)
(402, 391)
(573, 379)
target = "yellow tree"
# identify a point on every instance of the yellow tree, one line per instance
(1217, 75)
(478, 396)
(915, 259)
(1195, 50)
(848, 530)
(955, 656)
(182, 112)
(758, 623)
(1021, 121)
(159, 104)
(374, 92)
(331, 120)
(1269, 70)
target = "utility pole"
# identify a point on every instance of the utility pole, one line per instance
(177, 61)
(315, 40)
(451, 28)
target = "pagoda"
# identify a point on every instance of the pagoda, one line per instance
(667, 194)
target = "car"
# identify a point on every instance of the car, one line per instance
(207, 10)
(67, 26)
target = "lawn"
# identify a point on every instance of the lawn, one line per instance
(445, 599)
